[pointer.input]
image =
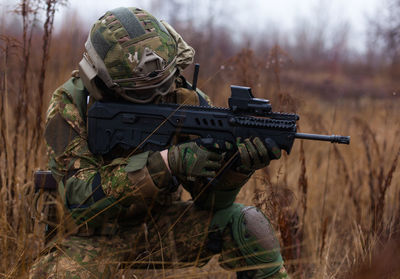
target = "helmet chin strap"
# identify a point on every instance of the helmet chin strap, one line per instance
(118, 91)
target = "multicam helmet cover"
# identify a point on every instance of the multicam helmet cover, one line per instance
(132, 54)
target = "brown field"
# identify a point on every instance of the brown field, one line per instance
(336, 208)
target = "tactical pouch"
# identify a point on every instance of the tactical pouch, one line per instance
(44, 180)
(47, 207)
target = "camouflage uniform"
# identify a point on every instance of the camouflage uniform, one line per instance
(125, 219)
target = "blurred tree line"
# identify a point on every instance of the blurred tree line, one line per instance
(319, 54)
(384, 37)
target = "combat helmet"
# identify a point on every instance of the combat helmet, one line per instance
(129, 53)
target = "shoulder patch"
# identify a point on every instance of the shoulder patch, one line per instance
(59, 134)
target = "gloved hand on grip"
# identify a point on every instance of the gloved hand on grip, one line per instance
(254, 154)
(191, 161)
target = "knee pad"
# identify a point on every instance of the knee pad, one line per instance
(254, 237)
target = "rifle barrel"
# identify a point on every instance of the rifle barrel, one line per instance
(332, 138)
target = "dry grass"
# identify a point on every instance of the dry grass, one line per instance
(335, 208)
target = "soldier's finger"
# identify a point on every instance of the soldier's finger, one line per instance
(210, 165)
(261, 149)
(252, 152)
(273, 148)
(244, 155)
(228, 146)
(213, 156)
(211, 174)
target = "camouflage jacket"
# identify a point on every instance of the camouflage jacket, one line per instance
(97, 189)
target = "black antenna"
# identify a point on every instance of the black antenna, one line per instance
(195, 76)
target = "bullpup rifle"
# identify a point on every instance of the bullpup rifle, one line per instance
(152, 126)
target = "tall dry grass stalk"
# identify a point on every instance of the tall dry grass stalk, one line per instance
(358, 186)
(21, 101)
(50, 9)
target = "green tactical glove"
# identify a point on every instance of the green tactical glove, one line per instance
(189, 160)
(254, 154)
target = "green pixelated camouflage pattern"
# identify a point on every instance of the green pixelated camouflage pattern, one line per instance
(62, 102)
(174, 235)
(125, 52)
(177, 237)
(77, 159)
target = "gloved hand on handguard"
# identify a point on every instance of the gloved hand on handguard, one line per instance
(254, 154)
(191, 161)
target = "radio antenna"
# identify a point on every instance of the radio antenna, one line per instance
(195, 76)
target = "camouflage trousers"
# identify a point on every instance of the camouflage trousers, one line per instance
(174, 238)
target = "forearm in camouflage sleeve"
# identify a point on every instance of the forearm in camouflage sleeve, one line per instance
(108, 191)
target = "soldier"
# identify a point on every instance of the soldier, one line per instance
(127, 206)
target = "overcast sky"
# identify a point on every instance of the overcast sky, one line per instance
(260, 13)
(254, 15)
